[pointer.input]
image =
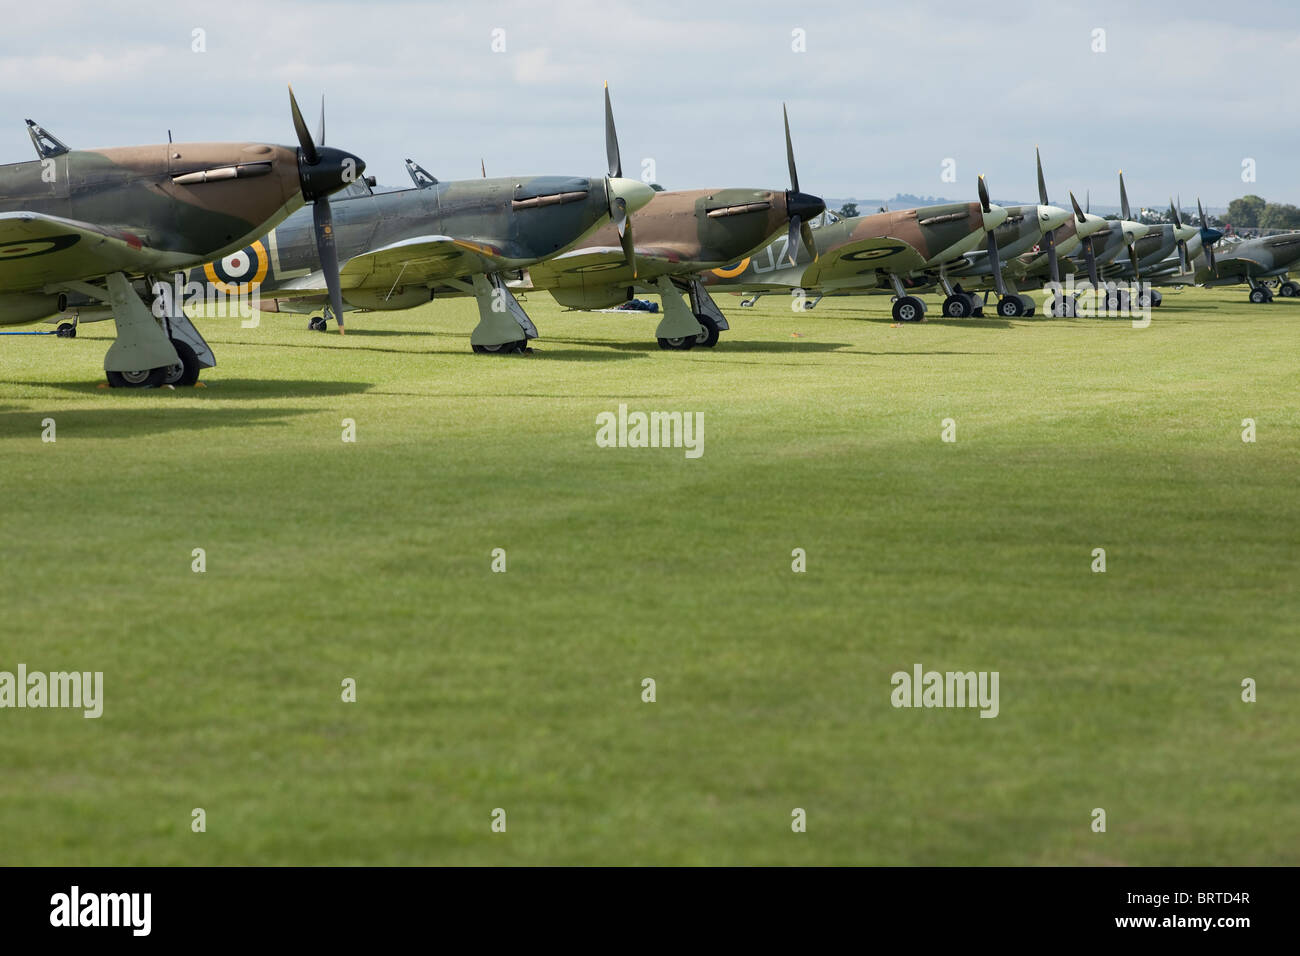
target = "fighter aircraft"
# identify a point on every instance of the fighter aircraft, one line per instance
(1251, 260)
(681, 235)
(401, 248)
(872, 252)
(96, 225)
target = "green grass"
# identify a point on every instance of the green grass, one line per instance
(522, 690)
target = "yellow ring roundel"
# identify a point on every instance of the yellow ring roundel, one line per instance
(240, 272)
(734, 271)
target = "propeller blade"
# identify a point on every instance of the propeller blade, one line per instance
(1042, 183)
(1078, 213)
(611, 141)
(320, 136)
(789, 152)
(792, 240)
(1087, 201)
(1123, 198)
(805, 231)
(1178, 219)
(994, 260)
(623, 223)
(1053, 266)
(1091, 257)
(1209, 246)
(308, 148)
(1132, 257)
(323, 220)
(1182, 256)
(482, 165)
(629, 248)
(984, 195)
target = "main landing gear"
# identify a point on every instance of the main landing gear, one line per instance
(1260, 294)
(683, 328)
(156, 343)
(504, 328)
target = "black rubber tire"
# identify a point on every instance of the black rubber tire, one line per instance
(1010, 307)
(958, 307)
(909, 309)
(317, 323)
(1259, 296)
(709, 331)
(187, 372)
(150, 379)
(678, 345)
(66, 330)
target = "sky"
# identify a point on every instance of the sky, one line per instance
(881, 96)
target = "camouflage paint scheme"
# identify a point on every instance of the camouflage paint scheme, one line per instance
(121, 210)
(861, 253)
(400, 248)
(680, 235)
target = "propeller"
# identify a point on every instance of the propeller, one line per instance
(992, 241)
(1128, 217)
(1049, 237)
(1089, 253)
(799, 206)
(1209, 246)
(1182, 243)
(617, 205)
(322, 171)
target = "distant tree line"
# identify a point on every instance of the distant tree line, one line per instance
(1253, 212)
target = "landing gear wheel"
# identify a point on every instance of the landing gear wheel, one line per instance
(684, 344)
(709, 331)
(1288, 290)
(66, 330)
(1010, 307)
(909, 309)
(318, 324)
(958, 307)
(186, 372)
(1259, 294)
(502, 348)
(150, 378)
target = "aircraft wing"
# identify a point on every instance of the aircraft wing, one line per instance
(416, 260)
(36, 249)
(1238, 266)
(859, 258)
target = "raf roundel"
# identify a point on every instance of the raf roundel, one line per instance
(240, 272)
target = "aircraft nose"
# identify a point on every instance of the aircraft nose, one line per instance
(1185, 232)
(635, 193)
(1132, 230)
(1052, 217)
(334, 169)
(995, 217)
(804, 206)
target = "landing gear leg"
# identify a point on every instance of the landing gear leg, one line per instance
(154, 346)
(707, 313)
(679, 329)
(503, 325)
(907, 308)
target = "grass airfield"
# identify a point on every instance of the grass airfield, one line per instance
(522, 690)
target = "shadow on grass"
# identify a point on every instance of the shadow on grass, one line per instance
(971, 323)
(725, 344)
(125, 422)
(219, 390)
(540, 347)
